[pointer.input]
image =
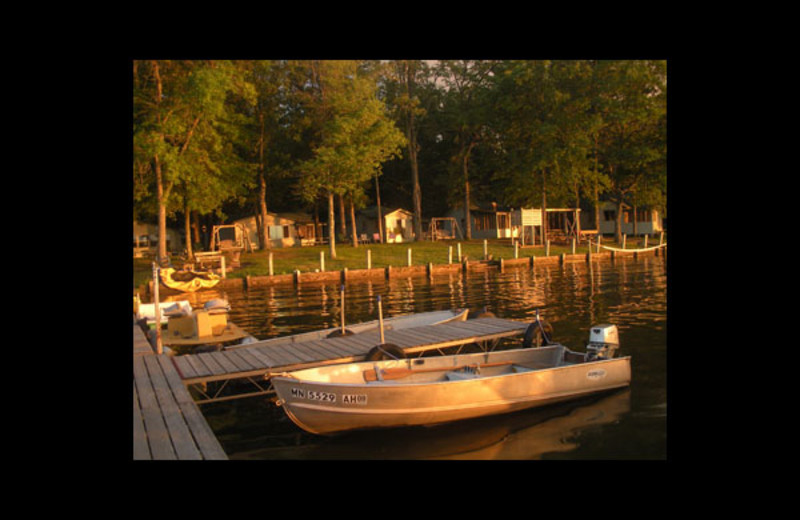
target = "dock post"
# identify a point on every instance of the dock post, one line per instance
(380, 319)
(341, 292)
(459, 251)
(516, 250)
(156, 270)
(547, 247)
(222, 266)
(485, 249)
(409, 257)
(449, 255)
(369, 258)
(270, 263)
(573, 245)
(322, 261)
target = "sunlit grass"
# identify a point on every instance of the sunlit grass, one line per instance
(307, 259)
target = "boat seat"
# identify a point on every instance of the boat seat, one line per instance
(457, 375)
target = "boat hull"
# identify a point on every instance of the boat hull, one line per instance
(328, 407)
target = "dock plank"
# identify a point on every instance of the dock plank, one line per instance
(342, 349)
(207, 442)
(167, 424)
(365, 342)
(140, 344)
(237, 359)
(184, 367)
(141, 451)
(305, 354)
(177, 430)
(154, 425)
(403, 339)
(263, 355)
(210, 363)
(282, 354)
(197, 364)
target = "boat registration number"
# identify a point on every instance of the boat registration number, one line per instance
(313, 395)
(328, 397)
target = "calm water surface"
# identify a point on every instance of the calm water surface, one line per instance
(625, 424)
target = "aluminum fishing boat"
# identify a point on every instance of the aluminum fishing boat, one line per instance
(431, 390)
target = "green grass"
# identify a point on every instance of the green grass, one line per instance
(307, 259)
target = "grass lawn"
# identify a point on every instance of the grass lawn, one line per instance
(307, 259)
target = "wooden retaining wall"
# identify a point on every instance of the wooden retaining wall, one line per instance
(430, 270)
(345, 275)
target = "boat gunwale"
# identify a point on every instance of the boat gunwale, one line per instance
(289, 376)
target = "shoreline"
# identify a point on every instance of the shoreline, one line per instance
(351, 275)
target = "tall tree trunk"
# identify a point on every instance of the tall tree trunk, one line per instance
(380, 213)
(162, 208)
(342, 220)
(465, 168)
(195, 229)
(262, 190)
(596, 190)
(187, 216)
(162, 213)
(596, 208)
(544, 206)
(317, 223)
(331, 226)
(353, 222)
(411, 135)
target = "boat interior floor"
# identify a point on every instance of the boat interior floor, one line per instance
(408, 376)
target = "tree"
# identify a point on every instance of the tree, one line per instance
(633, 139)
(267, 135)
(352, 137)
(527, 110)
(466, 84)
(403, 78)
(179, 137)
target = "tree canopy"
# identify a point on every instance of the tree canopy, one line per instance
(230, 138)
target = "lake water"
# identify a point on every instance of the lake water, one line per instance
(625, 424)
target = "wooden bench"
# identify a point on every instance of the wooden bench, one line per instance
(213, 258)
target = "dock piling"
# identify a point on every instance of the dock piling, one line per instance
(380, 319)
(156, 271)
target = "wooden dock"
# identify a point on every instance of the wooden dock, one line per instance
(256, 362)
(167, 423)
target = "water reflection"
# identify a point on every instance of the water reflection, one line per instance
(630, 293)
(531, 434)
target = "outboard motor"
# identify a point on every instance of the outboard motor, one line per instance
(603, 342)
